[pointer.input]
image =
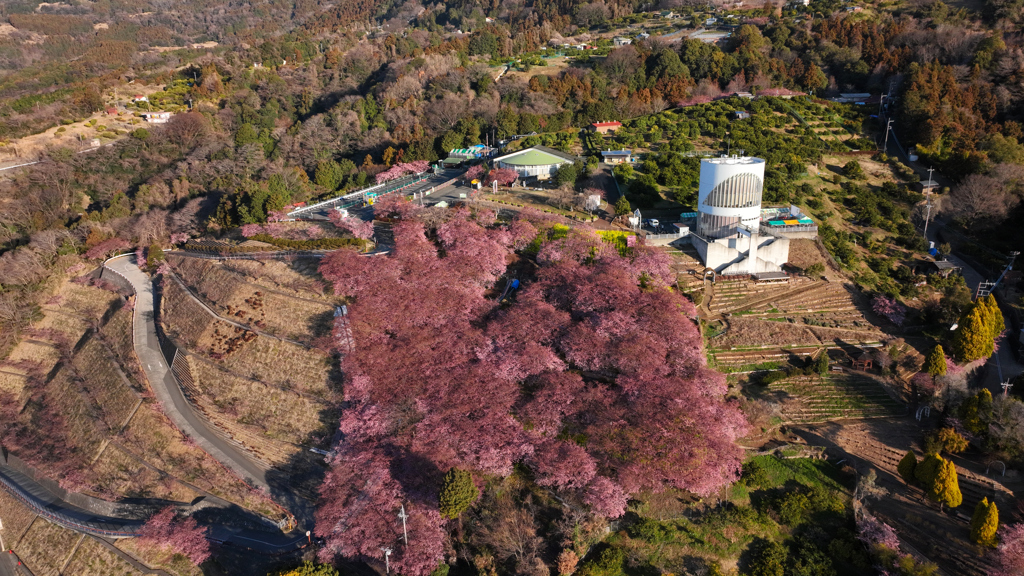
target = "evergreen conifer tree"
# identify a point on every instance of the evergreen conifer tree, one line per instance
(946, 488)
(927, 470)
(457, 493)
(993, 315)
(935, 364)
(985, 405)
(985, 523)
(621, 206)
(155, 255)
(821, 365)
(906, 467)
(973, 339)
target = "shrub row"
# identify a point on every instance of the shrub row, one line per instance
(278, 243)
(317, 244)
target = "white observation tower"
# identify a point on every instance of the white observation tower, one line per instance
(729, 196)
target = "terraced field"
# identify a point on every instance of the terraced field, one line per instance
(243, 352)
(808, 399)
(268, 422)
(46, 547)
(104, 382)
(941, 537)
(800, 297)
(94, 559)
(295, 314)
(766, 323)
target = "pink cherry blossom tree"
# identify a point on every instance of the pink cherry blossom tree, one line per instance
(356, 226)
(394, 206)
(503, 176)
(1010, 553)
(593, 346)
(166, 532)
(105, 248)
(890, 309)
(401, 169)
(474, 173)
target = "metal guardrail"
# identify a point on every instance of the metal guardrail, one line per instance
(62, 519)
(349, 200)
(254, 255)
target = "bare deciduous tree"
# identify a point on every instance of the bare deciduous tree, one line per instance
(563, 197)
(186, 130)
(980, 201)
(445, 112)
(510, 531)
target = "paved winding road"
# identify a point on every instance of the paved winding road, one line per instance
(168, 393)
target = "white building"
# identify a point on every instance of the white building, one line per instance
(729, 195)
(622, 41)
(539, 162)
(728, 228)
(157, 117)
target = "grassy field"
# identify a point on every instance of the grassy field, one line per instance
(276, 414)
(282, 364)
(45, 547)
(298, 277)
(86, 301)
(95, 559)
(118, 340)
(184, 319)
(244, 353)
(104, 382)
(174, 563)
(17, 518)
(290, 316)
(151, 436)
(777, 500)
(118, 474)
(83, 427)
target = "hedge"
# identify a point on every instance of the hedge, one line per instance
(281, 243)
(317, 244)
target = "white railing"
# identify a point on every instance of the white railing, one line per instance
(412, 179)
(780, 231)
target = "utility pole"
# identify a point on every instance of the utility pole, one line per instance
(405, 532)
(1006, 388)
(885, 148)
(387, 560)
(928, 214)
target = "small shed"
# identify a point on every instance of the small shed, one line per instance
(741, 114)
(943, 268)
(605, 127)
(778, 277)
(617, 156)
(861, 360)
